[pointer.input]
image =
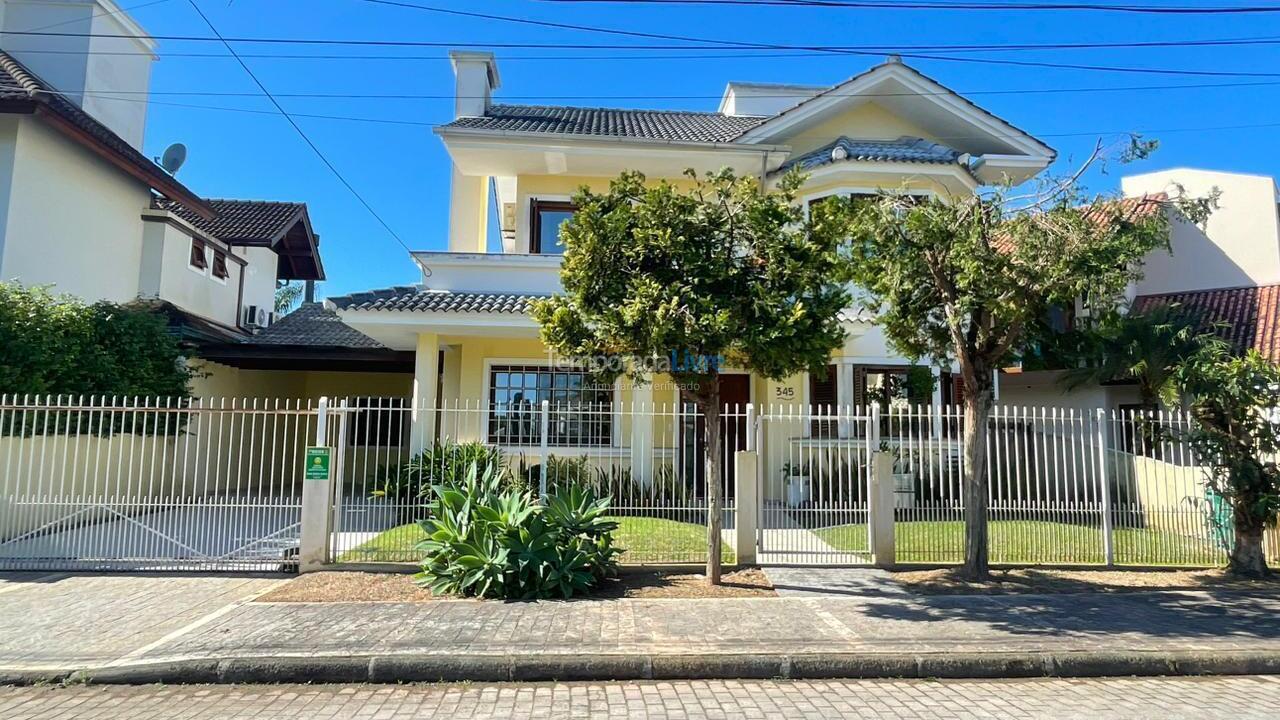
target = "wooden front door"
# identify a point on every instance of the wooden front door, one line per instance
(735, 393)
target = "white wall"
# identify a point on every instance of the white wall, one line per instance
(72, 220)
(80, 68)
(168, 251)
(1041, 389)
(260, 276)
(1239, 245)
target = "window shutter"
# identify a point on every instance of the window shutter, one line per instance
(220, 265)
(197, 255)
(822, 401)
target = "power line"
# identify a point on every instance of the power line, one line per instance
(299, 130)
(419, 123)
(120, 11)
(734, 43)
(649, 96)
(960, 6)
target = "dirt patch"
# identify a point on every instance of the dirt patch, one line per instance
(947, 582)
(394, 587)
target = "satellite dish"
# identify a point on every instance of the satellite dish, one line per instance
(174, 156)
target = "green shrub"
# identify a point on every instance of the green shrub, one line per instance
(445, 462)
(484, 540)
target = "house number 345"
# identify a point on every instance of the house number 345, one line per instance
(784, 393)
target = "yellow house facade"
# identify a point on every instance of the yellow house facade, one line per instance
(515, 169)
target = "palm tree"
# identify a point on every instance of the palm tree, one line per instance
(286, 296)
(1147, 348)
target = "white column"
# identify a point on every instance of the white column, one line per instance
(937, 401)
(317, 496)
(642, 460)
(844, 395)
(747, 501)
(882, 502)
(426, 373)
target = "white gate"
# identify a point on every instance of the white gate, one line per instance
(151, 484)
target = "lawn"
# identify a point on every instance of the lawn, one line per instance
(643, 539)
(1030, 541)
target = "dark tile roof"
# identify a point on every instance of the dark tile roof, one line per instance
(253, 221)
(313, 325)
(904, 149)
(1250, 316)
(416, 299)
(678, 125)
(18, 84)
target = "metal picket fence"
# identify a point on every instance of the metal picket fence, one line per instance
(215, 484)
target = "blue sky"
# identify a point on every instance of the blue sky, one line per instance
(402, 169)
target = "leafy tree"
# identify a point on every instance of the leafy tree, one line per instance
(1235, 433)
(59, 345)
(1147, 348)
(964, 278)
(722, 274)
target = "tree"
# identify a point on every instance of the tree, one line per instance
(722, 274)
(963, 279)
(287, 295)
(1147, 348)
(59, 345)
(1235, 434)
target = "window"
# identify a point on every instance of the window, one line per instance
(378, 422)
(197, 260)
(544, 226)
(220, 265)
(580, 408)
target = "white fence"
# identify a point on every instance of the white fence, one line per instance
(111, 483)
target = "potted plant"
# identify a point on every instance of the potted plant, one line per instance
(795, 477)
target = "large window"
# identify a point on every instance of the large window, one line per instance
(547, 217)
(580, 407)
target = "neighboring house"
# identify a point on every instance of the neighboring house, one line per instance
(518, 166)
(83, 210)
(1226, 272)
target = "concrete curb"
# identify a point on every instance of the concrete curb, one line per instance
(531, 668)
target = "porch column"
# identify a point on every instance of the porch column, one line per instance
(642, 459)
(937, 401)
(844, 396)
(426, 376)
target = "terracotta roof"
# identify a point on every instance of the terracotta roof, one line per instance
(1250, 316)
(412, 298)
(1131, 209)
(313, 325)
(679, 125)
(244, 221)
(22, 91)
(904, 149)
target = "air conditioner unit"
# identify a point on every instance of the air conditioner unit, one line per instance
(256, 317)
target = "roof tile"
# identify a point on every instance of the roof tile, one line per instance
(904, 149)
(1249, 316)
(416, 299)
(241, 220)
(678, 125)
(313, 325)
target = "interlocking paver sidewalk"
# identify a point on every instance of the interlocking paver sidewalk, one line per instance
(87, 621)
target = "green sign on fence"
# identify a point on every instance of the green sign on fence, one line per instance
(317, 465)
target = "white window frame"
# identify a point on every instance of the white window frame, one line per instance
(615, 430)
(854, 190)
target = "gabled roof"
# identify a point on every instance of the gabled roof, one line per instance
(21, 91)
(846, 89)
(417, 299)
(676, 125)
(243, 221)
(904, 149)
(1249, 316)
(283, 226)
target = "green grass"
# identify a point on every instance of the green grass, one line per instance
(643, 540)
(1030, 541)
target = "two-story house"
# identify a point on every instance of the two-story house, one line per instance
(518, 166)
(1226, 273)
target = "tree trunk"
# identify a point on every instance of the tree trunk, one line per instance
(978, 401)
(709, 392)
(1247, 558)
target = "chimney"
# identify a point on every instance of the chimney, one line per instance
(92, 72)
(476, 75)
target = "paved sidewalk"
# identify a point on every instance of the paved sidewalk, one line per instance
(207, 629)
(1163, 698)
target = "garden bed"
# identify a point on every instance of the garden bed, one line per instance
(397, 587)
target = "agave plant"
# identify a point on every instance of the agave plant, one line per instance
(485, 540)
